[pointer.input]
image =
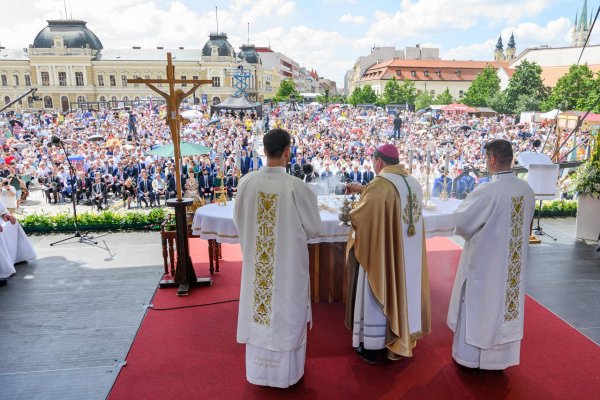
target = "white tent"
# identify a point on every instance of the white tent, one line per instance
(550, 114)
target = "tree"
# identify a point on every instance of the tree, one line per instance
(368, 94)
(527, 102)
(485, 85)
(498, 103)
(527, 80)
(391, 92)
(444, 98)
(356, 96)
(572, 90)
(423, 100)
(286, 89)
(408, 92)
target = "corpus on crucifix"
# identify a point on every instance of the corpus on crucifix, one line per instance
(185, 274)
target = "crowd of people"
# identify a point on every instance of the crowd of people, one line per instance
(109, 150)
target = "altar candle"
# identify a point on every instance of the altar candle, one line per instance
(410, 160)
(428, 168)
(255, 153)
(447, 162)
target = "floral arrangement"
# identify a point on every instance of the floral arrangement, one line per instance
(587, 180)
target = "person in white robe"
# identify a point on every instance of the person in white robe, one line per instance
(275, 214)
(488, 297)
(15, 246)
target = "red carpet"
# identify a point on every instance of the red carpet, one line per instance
(192, 353)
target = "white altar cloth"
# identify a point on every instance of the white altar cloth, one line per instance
(214, 222)
(15, 247)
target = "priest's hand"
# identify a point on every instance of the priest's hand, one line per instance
(354, 188)
(10, 218)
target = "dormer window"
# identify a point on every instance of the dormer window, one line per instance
(426, 73)
(457, 72)
(413, 73)
(214, 51)
(58, 42)
(399, 72)
(438, 74)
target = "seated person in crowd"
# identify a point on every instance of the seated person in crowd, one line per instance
(159, 185)
(145, 191)
(367, 175)
(232, 183)
(205, 184)
(128, 190)
(51, 187)
(98, 192)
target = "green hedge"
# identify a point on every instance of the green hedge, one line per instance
(103, 221)
(557, 208)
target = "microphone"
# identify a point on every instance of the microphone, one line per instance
(55, 140)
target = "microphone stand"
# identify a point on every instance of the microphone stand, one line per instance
(82, 237)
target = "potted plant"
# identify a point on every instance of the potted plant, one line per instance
(587, 186)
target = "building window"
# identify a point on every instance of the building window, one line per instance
(102, 99)
(438, 74)
(137, 98)
(125, 98)
(124, 80)
(6, 99)
(112, 80)
(398, 72)
(30, 102)
(183, 77)
(457, 72)
(461, 94)
(79, 78)
(216, 100)
(62, 79)
(27, 80)
(100, 80)
(16, 80)
(413, 73)
(47, 100)
(195, 77)
(216, 81)
(46, 79)
(426, 73)
(136, 84)
(80, 99)
(4, 80)
(159, 77)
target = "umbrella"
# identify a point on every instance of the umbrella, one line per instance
(436, 126)
(14, 122)
(421, 131)
(19, 145)
(72, 142)
(76, 158)
(466, 127)
(342, 119)
(190, 114)
(96, 138)
(214, 121)
(186, 149)
(79, 128)
(129, 147)
(355, 130)
(357, 144)
(424, 123)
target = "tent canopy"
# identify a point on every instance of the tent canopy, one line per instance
(233, 103)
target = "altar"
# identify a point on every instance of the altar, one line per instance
(214, 223)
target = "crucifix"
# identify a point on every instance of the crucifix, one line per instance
(185, 274)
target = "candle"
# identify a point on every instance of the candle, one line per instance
(410, 161)
(428, 168)
(447, 161)
(221, 156)
(255, 154)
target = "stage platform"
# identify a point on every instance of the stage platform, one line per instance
(67, 319)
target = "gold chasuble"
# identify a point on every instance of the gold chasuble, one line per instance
(376, 244)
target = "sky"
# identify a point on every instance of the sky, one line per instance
(325, 35)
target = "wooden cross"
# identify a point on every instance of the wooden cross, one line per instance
(174, 99)
(185, 276)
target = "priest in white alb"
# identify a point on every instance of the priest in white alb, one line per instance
(15, 246)
(275, 214)
(488, 297)
(389, 304)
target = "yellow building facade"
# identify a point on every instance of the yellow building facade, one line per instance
(70, 69)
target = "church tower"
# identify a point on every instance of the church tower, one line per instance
(511, 49)
(581, 28)
(499, 52)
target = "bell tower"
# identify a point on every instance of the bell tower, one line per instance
(510, 48)
(581, 28)
(499, 52)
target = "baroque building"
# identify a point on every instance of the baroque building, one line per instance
(70, 68)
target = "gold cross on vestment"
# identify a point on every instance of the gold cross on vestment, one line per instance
(174, 99)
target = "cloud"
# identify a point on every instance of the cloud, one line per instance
(425, 18)
(355, 19)
(556, 33)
